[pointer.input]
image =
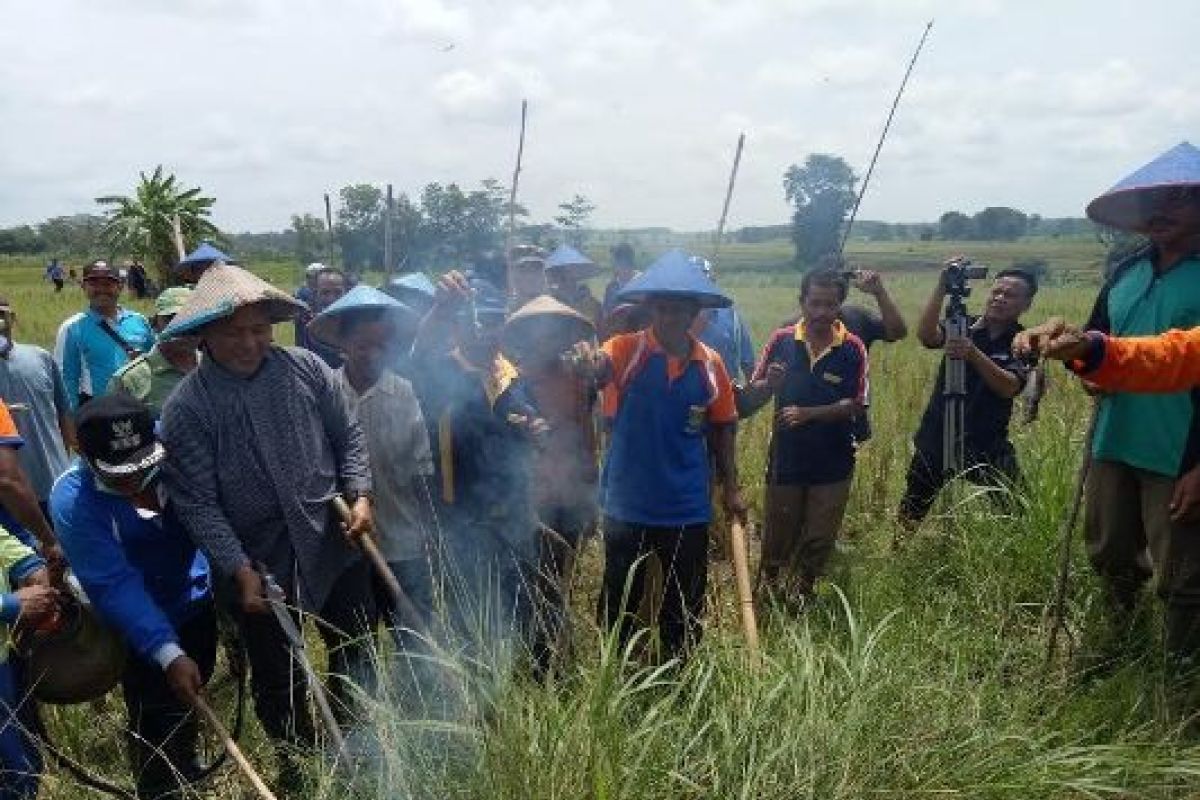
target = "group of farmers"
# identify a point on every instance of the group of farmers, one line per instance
(479, 429)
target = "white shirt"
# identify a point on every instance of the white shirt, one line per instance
(398, 447)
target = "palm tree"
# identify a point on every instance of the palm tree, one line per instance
(143, 225)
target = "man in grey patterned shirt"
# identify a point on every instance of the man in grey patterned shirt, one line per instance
(261, 438)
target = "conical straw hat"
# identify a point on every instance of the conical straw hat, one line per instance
(222, 290)
(544, 318)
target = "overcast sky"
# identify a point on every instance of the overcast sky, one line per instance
(267, 104)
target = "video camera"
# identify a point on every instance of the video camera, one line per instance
(958, 272)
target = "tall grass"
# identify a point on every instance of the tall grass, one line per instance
(917, 673)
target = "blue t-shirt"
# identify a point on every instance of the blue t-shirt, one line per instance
(29, 377)
(88, 345)
(656, 472)
(727, 333)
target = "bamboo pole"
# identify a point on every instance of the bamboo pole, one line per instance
(404, 604)
(329, 229)
(177, 235)
(388, 255)
(733, 173)
(512, 202)
(1058, 604)
(741, 571)
(231, 747)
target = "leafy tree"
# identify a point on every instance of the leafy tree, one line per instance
(955, 225)
(141, 225)
(79, 235)
(1000, 223)
(574, 219)
(311, 242)
(822, 192)
(359, 227)
(20, 240)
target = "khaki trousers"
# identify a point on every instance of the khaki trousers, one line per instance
(802, 524)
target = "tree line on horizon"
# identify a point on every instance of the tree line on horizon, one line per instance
(447, 224)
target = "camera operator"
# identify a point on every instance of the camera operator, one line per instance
(993, 378)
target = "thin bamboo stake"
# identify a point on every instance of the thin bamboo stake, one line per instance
(177, 235)
(1059, 603)
(737, 160)
(231, 747)
(512, 201)
(329, 229)
(388, 266)
(741, 572)
(404, 604)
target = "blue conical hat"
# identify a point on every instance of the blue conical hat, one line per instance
(570, 261)
(415, 290)
(1123, 206)
(326, 326)
(204, 254)
(674, 274)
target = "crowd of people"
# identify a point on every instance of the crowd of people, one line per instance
(482, 427)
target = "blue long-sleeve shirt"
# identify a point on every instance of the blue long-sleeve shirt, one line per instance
(141, 571)
(87, 346)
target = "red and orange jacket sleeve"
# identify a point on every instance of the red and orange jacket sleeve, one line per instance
(1168, 362)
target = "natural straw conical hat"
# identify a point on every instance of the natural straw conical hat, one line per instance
(222, 290)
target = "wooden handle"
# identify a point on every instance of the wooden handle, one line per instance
(741, 573)
(408, 612)
(234, 751)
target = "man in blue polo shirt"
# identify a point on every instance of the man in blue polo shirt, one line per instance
(817, 372)
(674, 405)
(105, 338)
(144, 577)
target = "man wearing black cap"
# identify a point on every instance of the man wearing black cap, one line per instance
(106, 337)
(145, 577)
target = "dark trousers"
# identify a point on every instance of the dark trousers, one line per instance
(683, 552)
(345, 623)
(572, 524)
(163, 729)
(926, 476)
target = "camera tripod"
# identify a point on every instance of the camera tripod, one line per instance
(954, 388)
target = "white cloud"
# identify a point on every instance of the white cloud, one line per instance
(425, 19)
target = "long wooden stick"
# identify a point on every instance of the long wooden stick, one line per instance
(512, 201)
(234, 751)
(741, 573)
(388, 266)
(1059, 603)
(177, 235)
(883, 136)
(408, 611)
(737, 160)
(329, 228)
